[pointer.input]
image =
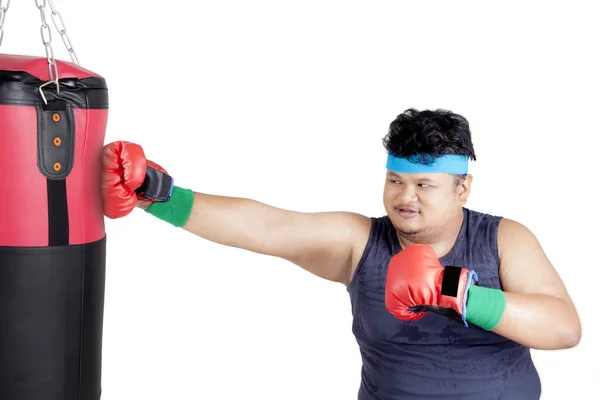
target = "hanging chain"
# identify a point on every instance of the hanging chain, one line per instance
(47, 40)
(3, 10)
(60, 27)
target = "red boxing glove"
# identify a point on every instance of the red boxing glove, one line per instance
(417, 283)
(128, 177)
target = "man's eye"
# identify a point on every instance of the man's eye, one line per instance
(424, 185)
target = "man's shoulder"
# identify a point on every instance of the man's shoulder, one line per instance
(355, 221)
(372, 230)
(362, 223)
(365, 231)
(510, 230)
(375, 225)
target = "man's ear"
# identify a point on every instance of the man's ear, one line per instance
(463, 189)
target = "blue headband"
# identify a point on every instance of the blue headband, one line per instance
(448, 163)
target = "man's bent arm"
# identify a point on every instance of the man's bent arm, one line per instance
(538, 311)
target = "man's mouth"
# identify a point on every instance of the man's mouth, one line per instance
(406, 212)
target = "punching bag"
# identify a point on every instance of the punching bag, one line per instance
(52, 237)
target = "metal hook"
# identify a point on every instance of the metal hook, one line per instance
(55, 81)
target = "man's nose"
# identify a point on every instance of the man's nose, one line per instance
(408, 194)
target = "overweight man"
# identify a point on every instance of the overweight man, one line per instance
(446, 301)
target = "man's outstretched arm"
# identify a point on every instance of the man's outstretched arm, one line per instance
(327, 244)
(323, 243)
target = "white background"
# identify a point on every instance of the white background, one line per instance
(286, 102)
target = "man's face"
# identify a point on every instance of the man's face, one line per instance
(422, 205)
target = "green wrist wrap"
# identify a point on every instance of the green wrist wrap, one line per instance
(177, 209)
(485, 306)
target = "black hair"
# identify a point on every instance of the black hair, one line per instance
(429, 133)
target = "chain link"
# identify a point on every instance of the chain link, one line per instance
(3, 10)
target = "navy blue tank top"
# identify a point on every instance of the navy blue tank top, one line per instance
(435, 357)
